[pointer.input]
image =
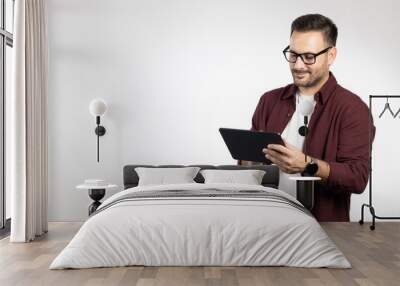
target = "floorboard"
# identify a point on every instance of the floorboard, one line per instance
(374, 255)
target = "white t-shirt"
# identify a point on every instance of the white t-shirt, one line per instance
(291, 135)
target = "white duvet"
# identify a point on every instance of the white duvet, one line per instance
(200, 231)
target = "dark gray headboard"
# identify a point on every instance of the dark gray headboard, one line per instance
(270, 179)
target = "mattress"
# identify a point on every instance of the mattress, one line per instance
(201, 225)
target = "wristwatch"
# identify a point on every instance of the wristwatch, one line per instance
(311, 168)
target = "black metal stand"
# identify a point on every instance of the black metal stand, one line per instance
(100, 131)
(96, 195)
(305, 193)
(371, 208)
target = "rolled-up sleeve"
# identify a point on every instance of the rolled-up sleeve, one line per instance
(350, 171)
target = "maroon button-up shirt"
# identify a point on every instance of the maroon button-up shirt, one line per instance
(340, 130)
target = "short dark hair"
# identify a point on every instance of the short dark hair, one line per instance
(316, 22)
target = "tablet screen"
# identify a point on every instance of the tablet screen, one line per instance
(247, 145)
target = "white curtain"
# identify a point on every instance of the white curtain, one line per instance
(28, 122)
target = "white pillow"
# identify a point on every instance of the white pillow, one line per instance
(248, 177)
(164, 176)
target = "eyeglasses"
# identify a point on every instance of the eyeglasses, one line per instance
(307, 58)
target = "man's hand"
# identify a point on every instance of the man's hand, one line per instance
(288, 158)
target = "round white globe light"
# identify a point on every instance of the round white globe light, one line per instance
(97, 107)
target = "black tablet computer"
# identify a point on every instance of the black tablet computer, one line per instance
(247, 145)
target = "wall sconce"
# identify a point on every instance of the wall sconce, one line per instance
(97, 108)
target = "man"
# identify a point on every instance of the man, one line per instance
(337, 141)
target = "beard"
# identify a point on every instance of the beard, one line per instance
(306, 78)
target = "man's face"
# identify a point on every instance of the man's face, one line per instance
(310, 42)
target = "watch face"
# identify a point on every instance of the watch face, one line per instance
(312, 168)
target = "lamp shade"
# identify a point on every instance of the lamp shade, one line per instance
(97, 107)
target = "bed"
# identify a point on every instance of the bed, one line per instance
(201, 224)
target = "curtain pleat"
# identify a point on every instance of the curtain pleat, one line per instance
(29, 158)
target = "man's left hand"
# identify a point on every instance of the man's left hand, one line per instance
(288, 158)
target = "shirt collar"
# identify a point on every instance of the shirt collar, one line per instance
(323, 94)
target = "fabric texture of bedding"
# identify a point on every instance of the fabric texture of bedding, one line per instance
(247, 177)
(201, 225)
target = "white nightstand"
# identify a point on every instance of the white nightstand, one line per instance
(305, 190)
(97, 190)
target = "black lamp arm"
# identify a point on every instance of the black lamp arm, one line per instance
(100, 131)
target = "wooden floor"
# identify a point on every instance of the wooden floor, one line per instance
(375, 257)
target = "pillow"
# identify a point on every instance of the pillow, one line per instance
(248, 177)
(165, 176)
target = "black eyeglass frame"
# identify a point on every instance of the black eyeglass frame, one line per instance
(301, 55)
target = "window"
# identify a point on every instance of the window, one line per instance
(6, 44)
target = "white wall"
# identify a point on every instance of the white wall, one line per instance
(173, 72)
